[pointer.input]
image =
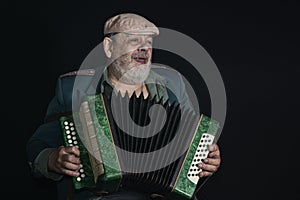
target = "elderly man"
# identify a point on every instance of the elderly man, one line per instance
(128, 46)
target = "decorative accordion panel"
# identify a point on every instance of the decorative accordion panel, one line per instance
(139, 143)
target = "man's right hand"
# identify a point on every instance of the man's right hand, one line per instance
(65, 160)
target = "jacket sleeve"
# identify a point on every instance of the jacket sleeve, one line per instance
(46, 138)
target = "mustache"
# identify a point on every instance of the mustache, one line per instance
(138, 55)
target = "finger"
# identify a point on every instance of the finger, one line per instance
(212, 161)
(208, 167)
(70, 172)
(205, 173)
(214, 151)
(214, 154)
(213, 147)
(72, 150)
(70, 166)
(71, 158)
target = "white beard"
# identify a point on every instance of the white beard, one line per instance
(130, 73)
(136, 75)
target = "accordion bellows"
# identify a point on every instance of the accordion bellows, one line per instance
(141, 143)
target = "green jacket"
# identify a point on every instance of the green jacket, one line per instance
(70, 89)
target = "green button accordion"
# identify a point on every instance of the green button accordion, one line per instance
(144, 144)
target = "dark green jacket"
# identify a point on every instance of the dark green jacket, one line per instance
(70, 89)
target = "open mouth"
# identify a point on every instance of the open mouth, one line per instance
(141, 58)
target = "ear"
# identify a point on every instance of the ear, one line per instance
(108, 46)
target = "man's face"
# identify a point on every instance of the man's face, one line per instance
(131, 57)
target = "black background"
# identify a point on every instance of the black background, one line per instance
(255, 46)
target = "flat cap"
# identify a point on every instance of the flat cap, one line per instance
(130, 23)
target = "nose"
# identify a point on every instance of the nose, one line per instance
(145, 45)
(142, 49)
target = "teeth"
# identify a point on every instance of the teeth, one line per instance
(140, 56)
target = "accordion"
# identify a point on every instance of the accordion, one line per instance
(142, 143)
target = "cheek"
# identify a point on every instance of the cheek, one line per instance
(149, 53)
(127, 49)
(122, 55)
(125, 59)
(120, 51)
(128, 57)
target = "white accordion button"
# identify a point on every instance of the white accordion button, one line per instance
(72, 141)
(201, 153)
(81, 173)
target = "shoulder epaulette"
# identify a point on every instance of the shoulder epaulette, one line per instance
(81, 72)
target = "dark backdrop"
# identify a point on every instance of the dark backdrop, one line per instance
(255, 47)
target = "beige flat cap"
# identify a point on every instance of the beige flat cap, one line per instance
(130, 23)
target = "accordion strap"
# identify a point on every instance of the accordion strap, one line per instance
(69, 191)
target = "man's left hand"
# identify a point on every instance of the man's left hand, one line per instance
(211, 163)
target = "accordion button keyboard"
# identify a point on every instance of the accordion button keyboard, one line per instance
(201, 153)
(81, 174)
(71, 137)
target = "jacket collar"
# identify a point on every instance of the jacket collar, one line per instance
(155, 85)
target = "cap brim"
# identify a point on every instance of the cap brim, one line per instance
(141, 33)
